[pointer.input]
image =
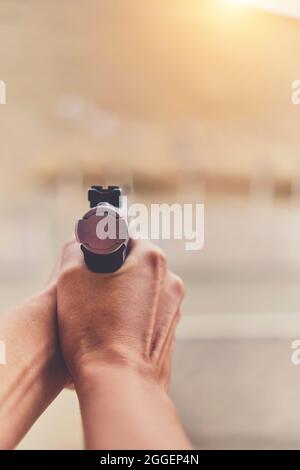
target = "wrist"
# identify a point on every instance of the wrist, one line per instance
(107, 385)
(129, 403)
(119, 371)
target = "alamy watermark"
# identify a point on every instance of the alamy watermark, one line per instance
(295, 357)
(296, 92)
(2, 92)
(155, 222)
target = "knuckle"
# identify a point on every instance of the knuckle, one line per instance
(68, 245)
(71, 254)
(69, 273)
(68, 249)
(161, 256)
(156, 257)
(178, 285)
(66, 273)
(65, 276)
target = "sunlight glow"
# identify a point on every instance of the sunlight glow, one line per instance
(284, 7)
(238, 2)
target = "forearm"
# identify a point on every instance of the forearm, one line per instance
(121, 409)
(34, 373)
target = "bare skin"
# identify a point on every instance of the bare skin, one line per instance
(116, 334)
(35, 372)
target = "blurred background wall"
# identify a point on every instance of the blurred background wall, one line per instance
(178, 100)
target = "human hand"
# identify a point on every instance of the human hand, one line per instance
(126, 319)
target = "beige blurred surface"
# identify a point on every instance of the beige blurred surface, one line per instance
(133, 81)
(59, 428)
